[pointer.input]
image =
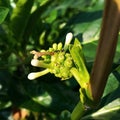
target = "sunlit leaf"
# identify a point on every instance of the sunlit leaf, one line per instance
(90, 48)
(110, 87)
(109, 112)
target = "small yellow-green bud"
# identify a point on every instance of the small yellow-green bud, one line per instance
(54, 57)
(65, 73)
(55, 46)
(68, 62)
(50, 49)
(61, 57)
(60, 46)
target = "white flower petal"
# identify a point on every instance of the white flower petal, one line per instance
(69, 37)
(31, 76)
(38, 63)
(35, 75)
(35, 62)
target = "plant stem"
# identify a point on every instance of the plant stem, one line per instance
(106, 48)
(78, 112)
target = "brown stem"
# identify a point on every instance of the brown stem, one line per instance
(106, 48)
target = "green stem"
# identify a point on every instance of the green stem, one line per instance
(78, 111)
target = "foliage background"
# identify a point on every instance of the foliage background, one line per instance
(37, 24)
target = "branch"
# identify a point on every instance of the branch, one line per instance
(106, 48)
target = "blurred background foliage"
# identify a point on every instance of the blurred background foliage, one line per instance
(36, 24)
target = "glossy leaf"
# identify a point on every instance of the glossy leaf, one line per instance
(110, 87)
(89, 50)
(19, 17)
(78, 58)
(109, 112)
(3, 13)
(42, 96)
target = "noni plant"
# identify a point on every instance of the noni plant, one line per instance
(65, 61)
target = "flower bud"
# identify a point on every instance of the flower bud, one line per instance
(61, 57)
(55, 46)
(59, 46)
(50, 49)
(68, 39)
(68, 62)
(54, 57)
(32, 76)
(65, 73)
(47, 59)
(35, 62)
(56, 70)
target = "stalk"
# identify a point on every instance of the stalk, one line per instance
(78, 112)
(106, 48)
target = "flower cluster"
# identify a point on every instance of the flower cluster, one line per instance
(55, 60)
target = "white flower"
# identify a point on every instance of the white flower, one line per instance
(35, 75)
(68, 39)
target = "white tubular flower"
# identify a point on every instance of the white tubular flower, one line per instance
(38, 63)
(68, 39)
(35, 62)
(35, 75)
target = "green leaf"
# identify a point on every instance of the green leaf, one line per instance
(78, 58)
(90, 48)
(52, 16)
(110, 87)
(109, 112)
(20, 16)
(49, 95)
(19, 97)
(45, 99)
(110, 108)
(3, 13)
(42, 96)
